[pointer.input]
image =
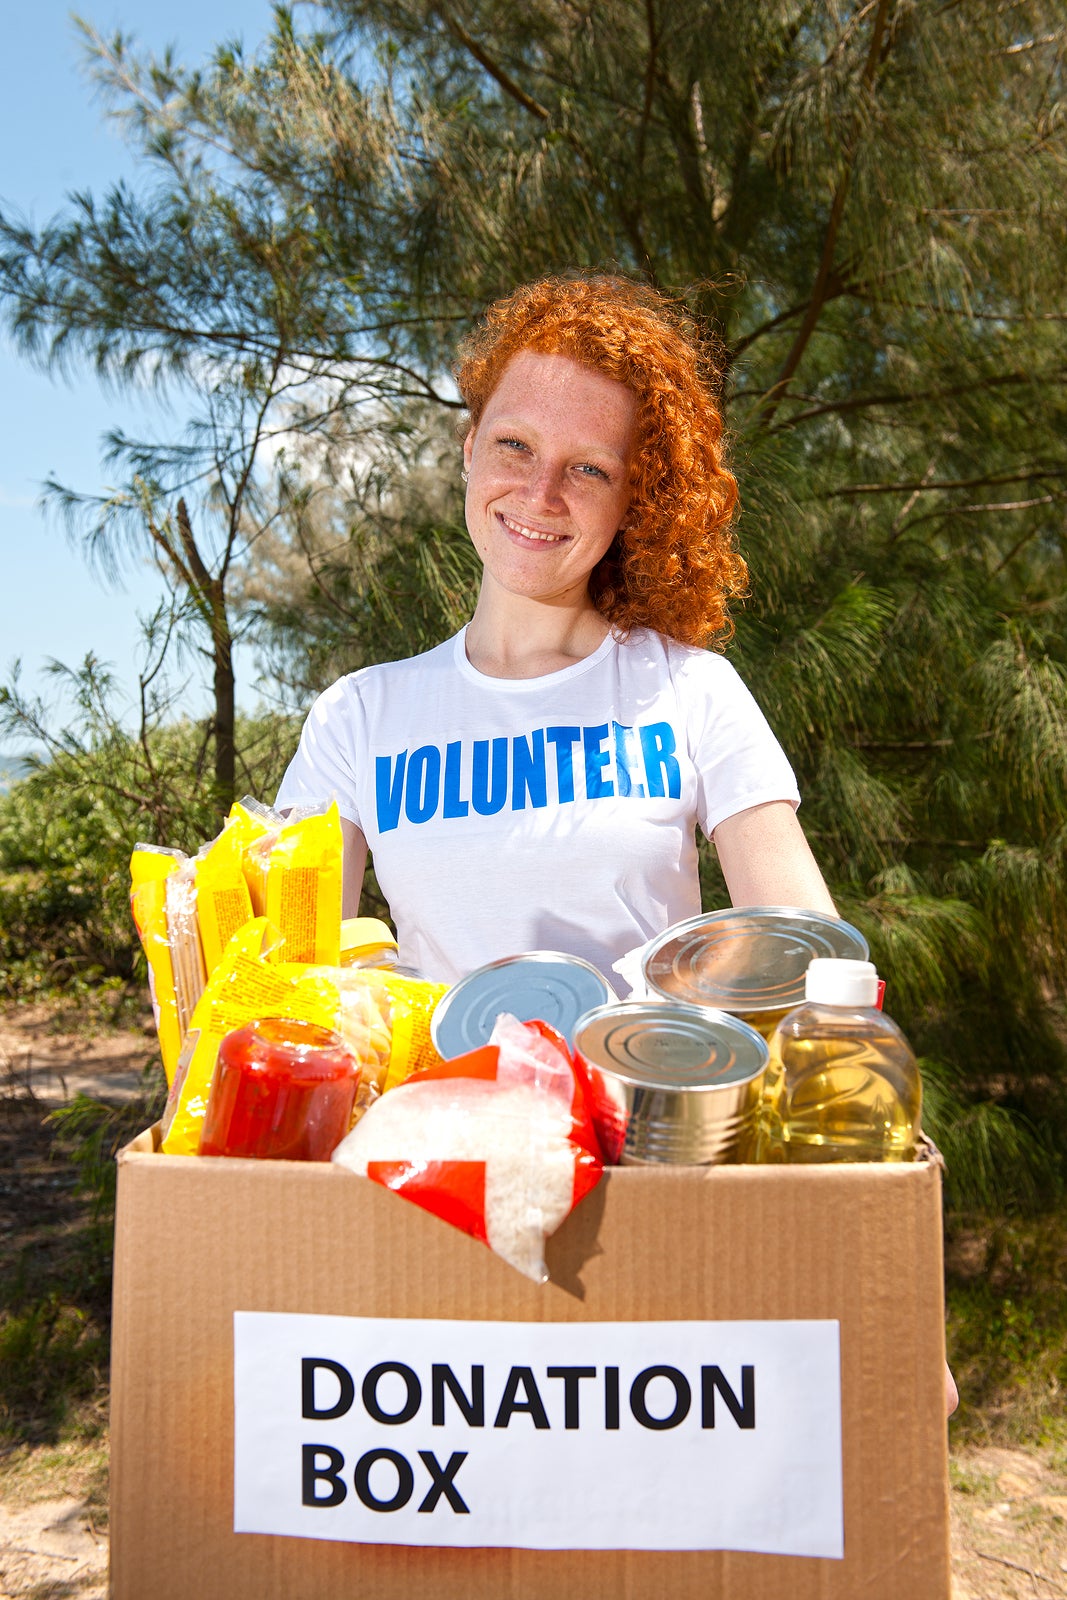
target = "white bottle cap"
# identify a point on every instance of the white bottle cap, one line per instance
(832, 981)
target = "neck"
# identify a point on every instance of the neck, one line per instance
(509, 637)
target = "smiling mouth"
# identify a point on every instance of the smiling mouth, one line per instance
(531, 533)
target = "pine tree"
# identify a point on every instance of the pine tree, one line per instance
(864, 207)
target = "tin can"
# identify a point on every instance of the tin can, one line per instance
(747, 960)
(544, 986)
(671, 1083)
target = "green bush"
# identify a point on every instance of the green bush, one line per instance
(67, 831)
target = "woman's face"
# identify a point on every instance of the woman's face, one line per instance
(549, 484)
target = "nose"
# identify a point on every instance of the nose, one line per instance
(544, 486)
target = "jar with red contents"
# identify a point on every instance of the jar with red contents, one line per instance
(282, 1089)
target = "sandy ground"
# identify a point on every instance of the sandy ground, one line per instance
(1009, 1535)
(52, 1550)
(1009, 1524)
(54, 1065)
(1009, 1506)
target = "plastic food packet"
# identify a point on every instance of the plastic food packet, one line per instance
(411, 1005)
(151, 866)
(385, 1022)
(244, 986)
(499, 1142)
(223, 901)
(183, 937)
(253, 815)
(363, 1018)
(294, 878)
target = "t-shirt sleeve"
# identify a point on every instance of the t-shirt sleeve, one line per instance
(324, 767)
(738, 759)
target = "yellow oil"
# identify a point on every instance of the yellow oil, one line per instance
(840, 1090)
(764, 1022)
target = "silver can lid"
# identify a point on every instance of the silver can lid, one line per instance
(747, 959)
(544, 985)
(656, 1044)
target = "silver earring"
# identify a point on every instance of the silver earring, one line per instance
(464, 475)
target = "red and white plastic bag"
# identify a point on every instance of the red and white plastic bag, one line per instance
(499, 1142)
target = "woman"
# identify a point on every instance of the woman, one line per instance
(535, 783)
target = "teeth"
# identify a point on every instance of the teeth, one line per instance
(531, 533)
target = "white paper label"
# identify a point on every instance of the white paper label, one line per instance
(543, 1436)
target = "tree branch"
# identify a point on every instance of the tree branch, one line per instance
(650, 84)
(825, 277)
(494, 69)
(861, 402)
(1035, 474)
(783, 316)
(1019, 544)
(251, 451)
(200, 579)
(1013, 505)
(902, 744)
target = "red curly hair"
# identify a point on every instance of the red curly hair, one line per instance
(675, 565)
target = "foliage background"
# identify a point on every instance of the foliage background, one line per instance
(863, 205)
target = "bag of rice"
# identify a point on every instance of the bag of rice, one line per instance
(498, 1142)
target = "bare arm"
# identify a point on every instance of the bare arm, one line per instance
(355, 863)
(767, 861)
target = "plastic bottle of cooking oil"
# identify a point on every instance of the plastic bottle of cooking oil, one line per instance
(844, 1083)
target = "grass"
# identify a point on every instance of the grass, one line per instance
(1006, 1294)
(77, 1467)
(57, 1212)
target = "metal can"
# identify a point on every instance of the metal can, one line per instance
(748, 960)
(545, 986)
(671, 1083)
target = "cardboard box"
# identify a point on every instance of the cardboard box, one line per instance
(200, 1240)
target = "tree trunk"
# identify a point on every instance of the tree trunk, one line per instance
(225, 712)
(211, 597)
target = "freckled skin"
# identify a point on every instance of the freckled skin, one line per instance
(549, 485)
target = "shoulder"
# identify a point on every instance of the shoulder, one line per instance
(384, 678)
(690, 667)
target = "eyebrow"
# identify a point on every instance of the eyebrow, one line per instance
(519, 425)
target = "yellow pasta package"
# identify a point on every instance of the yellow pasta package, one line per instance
(363, 1020)
(150, 868)
(223, 903)
(253, 817)
(412, 1002)
(385, 1023)
(294, 878)
(183, 937)
(244, 987)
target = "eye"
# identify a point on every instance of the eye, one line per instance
(509, 443)
(587, 469)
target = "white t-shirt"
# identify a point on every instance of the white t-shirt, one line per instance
(558, 813)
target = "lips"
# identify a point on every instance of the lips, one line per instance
(534, 534)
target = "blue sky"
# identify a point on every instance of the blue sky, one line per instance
(54, 139)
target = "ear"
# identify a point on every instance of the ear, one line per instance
(468, 446)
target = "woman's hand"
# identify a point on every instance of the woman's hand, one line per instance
(952, 1394)
(767, 861)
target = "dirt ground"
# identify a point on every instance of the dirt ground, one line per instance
(1009, 1505)
(50, 1057)
(52, 1550)
(1009, 1524)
